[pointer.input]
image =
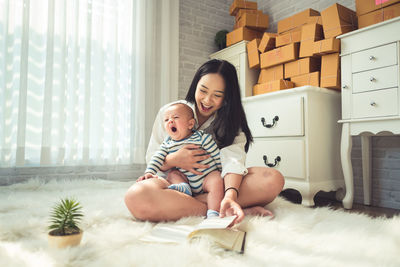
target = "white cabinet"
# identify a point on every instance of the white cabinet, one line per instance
(237, 56)
(296, 132)
(370, 94)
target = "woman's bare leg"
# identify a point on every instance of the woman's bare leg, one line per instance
(149, 200)
(258, 188)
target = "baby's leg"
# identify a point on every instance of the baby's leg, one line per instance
(179, 182)
(214, 185)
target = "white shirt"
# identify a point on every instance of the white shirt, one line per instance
(233, 157)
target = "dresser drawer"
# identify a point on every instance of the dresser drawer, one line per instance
(375, 79)
(375, 103)
(373, 58)
(262, 115)
(291, 153)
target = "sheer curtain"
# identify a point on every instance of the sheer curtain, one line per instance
(81, 80)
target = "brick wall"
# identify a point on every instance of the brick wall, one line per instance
(201, 19)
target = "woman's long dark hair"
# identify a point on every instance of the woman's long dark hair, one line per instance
(230, 117)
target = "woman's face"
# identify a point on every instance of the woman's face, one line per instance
(210, 93)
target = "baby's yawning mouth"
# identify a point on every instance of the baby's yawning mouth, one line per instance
(173, 129)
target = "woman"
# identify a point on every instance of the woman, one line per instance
(214, 96)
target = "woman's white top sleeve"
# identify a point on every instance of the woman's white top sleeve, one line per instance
(233, 157)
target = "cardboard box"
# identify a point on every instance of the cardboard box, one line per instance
(288, 38)
(337, 20)
(309, 34)
(241, 34)
(330, 71)
(315, 20)
(302, 66)
(379, 15)
(241, 4)
(279, 55)
(267, 42)
(243, 11)
(326, 46)
(367, 6)
(271, 74)
(306, 79)
(272, 86)
(253, 54)
(254, 21)
(296, 20)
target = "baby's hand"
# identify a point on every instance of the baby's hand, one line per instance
(146, 176)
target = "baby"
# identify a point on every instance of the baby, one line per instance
(179, 123)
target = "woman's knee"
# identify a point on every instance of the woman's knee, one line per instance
(137, 201)
(273, 179)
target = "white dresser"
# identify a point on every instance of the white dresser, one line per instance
(237, 56)
(370, 94)
(296, 132)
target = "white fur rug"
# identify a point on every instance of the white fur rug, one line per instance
(298, 236)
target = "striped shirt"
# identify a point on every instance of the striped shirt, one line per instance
(205, 141)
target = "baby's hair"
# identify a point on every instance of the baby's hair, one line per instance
(188, 109)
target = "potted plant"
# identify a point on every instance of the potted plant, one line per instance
(220, 39)
(64, 218)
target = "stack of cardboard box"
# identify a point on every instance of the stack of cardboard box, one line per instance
(305, 50)
(250, 23)
(373, 11)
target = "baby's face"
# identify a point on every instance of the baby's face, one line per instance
(178, 121)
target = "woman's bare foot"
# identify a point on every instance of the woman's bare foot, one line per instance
(258, 211)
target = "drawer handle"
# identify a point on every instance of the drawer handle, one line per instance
(372, 58)
(345, 87)
(277, 159)
(372, 79)
(373, 103)
(274, 120)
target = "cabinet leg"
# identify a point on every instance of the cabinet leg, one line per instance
(366, 167)
(345, 154)
(307, 198)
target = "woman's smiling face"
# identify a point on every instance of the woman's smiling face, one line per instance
(210, 92)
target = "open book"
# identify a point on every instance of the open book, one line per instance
(215, 229)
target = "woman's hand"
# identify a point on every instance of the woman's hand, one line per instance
(187, 158)
(230, 207)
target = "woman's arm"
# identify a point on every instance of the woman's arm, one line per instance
(233, 160)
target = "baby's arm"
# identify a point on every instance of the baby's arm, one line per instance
(155, 163)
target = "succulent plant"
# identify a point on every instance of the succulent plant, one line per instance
(65, 217)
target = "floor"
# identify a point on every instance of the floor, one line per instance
(327, 199)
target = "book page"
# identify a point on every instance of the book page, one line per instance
(216, 223)
(168, 233)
